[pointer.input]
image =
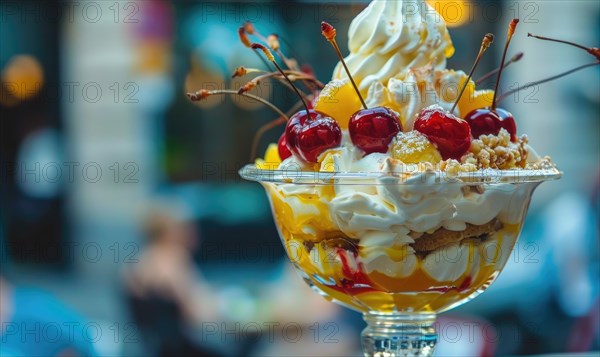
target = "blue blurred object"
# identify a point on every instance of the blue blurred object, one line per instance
(571, 230)
(41, 325)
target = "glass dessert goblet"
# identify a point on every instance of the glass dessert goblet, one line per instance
(399, 248)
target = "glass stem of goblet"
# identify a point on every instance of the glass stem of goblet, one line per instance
(406, 334)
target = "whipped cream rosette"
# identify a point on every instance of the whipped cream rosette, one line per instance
(389, 38)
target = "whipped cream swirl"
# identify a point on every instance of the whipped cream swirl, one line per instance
(390, 37)
(419, 203)
(415, 90)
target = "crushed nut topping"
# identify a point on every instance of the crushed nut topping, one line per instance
(496, 152)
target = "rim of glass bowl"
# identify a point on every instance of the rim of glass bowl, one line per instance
(296, 175)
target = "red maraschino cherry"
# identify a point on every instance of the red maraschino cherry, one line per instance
(308, 133)
(282, 148)
(372, 130)
(450, 134)
(486, 121)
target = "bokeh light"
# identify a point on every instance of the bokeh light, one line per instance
(23, 77)
(454, 12)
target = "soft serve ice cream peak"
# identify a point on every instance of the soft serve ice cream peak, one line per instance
(398, 52)
(389, 38)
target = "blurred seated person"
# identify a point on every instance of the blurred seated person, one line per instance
(166, 295)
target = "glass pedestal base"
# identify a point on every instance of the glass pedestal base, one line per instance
(392, 335)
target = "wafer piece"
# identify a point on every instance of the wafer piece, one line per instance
(442, 237)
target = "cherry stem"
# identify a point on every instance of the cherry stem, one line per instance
(273, 43)
(294, 87)
(310, 84)
(556, 40)
(270, 125)
(291, 48)
(293, 69)
(285, 83)
(284, 59)
(515, 58)
(270, 57)
(276, 75)
(488, 39)
(297, 75)
(266, 40)
(304, 76)
(337, 49)
(329, 33)
(203, 93)
(277, 50)
(242, 71)
(529, 85)
(261, 131)
(294, 109)
(246, 42)
(260, 37)
(594, 51)
(511, 30)
(265, 62)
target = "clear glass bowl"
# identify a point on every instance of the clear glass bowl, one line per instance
(399, 247)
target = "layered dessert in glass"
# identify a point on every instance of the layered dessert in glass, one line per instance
(432, 212)
(399, 189)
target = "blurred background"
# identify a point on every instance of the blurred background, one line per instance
(126, 231)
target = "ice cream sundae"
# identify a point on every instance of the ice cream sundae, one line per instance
(398, 187)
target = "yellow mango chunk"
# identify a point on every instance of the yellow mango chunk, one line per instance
(271, 160)
(474, 99)
(338, 100)
(327, 161)
(414, 147)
